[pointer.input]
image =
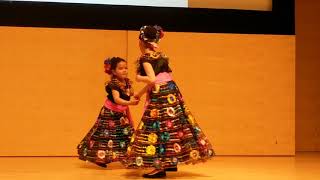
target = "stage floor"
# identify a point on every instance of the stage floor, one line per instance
(304, 166)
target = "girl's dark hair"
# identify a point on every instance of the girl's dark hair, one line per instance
(151, 33)
(111, 64)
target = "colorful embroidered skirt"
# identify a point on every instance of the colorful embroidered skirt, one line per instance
(168, 133)
(108, 139)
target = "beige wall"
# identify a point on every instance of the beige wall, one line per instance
(51, 86)
(308, 81)
(239, 87)
(264, 5)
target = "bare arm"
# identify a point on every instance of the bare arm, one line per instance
(118, 100)
(150, 78)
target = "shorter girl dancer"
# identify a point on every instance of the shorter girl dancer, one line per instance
(107, 140)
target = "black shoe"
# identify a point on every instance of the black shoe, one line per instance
(102, 165)
(155, 174)
(172, 169)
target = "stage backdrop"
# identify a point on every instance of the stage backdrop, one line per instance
(239, 87)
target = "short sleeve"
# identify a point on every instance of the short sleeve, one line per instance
(144, 59)
(113, 86)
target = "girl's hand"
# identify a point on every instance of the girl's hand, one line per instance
(137, 97)
(133, 102)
